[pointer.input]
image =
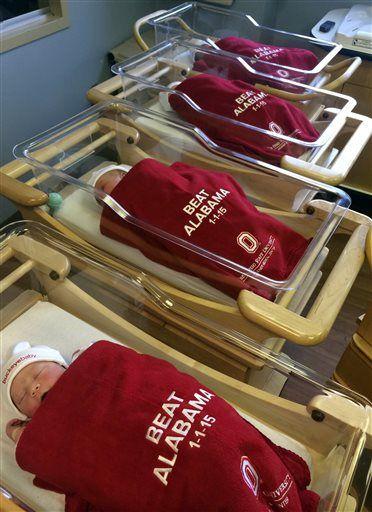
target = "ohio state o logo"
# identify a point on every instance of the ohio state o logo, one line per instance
(248, 242)
(249, 475)
(274, 127)
(283, 73)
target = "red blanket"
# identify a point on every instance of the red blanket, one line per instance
(239, 101)
(266, 55)
(127, 432)
(210, 211)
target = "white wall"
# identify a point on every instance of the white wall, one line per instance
(45, 81)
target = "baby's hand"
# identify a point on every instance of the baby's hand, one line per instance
(14, 429)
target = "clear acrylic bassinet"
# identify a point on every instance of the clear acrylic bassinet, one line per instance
(58, 164)
(211, 23)
(149, 79)
(145, 75)
(53, 290)
(64, 157)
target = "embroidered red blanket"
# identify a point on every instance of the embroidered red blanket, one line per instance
(121, 431)
(239, 101)
(208, 210)
(266, 55)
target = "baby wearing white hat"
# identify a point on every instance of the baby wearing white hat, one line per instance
(26, 379)
(164, 97)
(108, 177)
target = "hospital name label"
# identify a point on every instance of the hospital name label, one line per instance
(249, 99)
(188, 414)
(201, 206)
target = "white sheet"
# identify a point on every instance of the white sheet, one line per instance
(45, 323)
(81, 213)
(178, 141)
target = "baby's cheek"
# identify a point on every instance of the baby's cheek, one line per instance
(110, 185)
(116, 181)
(30, 407)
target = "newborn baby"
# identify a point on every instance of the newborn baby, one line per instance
(108, 177)
(117, 430)
(208, 101)
(206, 209)
(28, 377)
(279, 62)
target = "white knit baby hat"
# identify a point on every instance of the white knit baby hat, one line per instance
(164, 97)
(97, 174)
(23, 355)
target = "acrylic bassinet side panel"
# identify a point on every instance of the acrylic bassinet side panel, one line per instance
(17, 307)
(292, 418)
(189, 338)
(206, 345)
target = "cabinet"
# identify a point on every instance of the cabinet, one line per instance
(360, 87)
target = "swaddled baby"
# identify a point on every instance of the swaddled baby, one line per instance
(117, 430)
(207, 101)
(206, 210)
(280, 62)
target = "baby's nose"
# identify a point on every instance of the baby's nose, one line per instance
(35, 390)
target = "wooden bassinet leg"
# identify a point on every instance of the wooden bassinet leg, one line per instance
(8, 505)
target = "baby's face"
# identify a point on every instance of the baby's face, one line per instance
(32, 383)
(108, 181)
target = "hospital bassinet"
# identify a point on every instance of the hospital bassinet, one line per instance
(207, 24)
(62, 159)
(342, 133)
(54, 293)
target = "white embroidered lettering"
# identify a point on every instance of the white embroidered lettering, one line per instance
(170, 462)
(189, 230)
(181, 427)
(154, 434)
(206, 393)
(173, 441)
(205, 209)
(162, 421)
(188, 209)
(199, 402)
(200, 217)
(162, 474)
(190, 414)
(201, 211)
(170, 408)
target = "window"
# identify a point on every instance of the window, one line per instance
(23, 21)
